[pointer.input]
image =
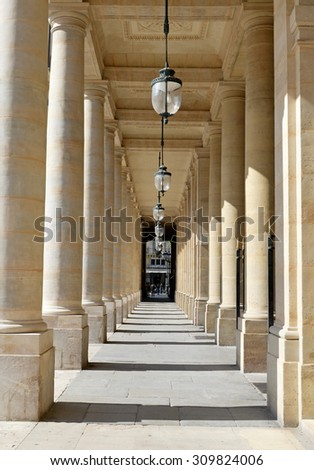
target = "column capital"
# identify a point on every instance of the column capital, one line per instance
(231, 89)
(212, 130)
(96, 90)
(60, 18)
(186, 190)
(201, 153)
(125, 172)
(119, 153)
(257, 16)
(111, 126)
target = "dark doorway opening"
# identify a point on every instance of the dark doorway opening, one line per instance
(158, 264)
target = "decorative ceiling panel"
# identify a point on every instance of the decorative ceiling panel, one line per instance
(153, 30)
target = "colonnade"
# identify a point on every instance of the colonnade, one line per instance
(260, 141)
(64, 278)
(63, 180)
(239, 155)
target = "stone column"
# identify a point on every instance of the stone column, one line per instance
(125, 268)
(93, 211)
(184, 249)
(119, 153)
(139, 255)
(214, 213)
(131, 252)
(187, 256)
(192, 243)
(259, 162)
(302, 26)
(62, 297)
(135, 256)
(179, 267)
(232, 96)
(130, 247)
(110, 129)
(27, 354)
(201, 214)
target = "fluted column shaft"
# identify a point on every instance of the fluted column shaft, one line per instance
(232, 203)
(27, 355)
(93, 211)
(259, 171)
(214, 215)
(64, 191)
(109, 136)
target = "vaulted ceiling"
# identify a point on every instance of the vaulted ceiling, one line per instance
(126, 47)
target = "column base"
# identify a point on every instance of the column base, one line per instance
(110, 310)
(70, 339)
(199, 311)
(177, 298)
(211, 317)
(185, 304)
(27, 375)
(282, 379)
(130, 304)
(251, 342)
(124, 307)
(97, 323)
(307, 390)
(119, 311)
(190, 307)
(226, 326)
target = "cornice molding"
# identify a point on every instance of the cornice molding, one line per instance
(302, 25)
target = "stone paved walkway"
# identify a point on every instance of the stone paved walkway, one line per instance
(159, 383)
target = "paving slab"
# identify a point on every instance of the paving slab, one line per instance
(158, 383)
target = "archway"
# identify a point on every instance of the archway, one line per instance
(158, 264)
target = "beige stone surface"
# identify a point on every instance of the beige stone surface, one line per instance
(232, 96)
(214, 211)
(62, 292)
(93, 210)
(26, 350)
(212, 45)
(27, 376)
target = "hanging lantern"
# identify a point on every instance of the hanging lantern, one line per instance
(159, 230)
(162, 179)
(166, 93)
(158, 212)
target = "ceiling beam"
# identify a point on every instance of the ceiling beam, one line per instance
(130, 116)
(178, 10)
(154, 144)
(146, 74)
